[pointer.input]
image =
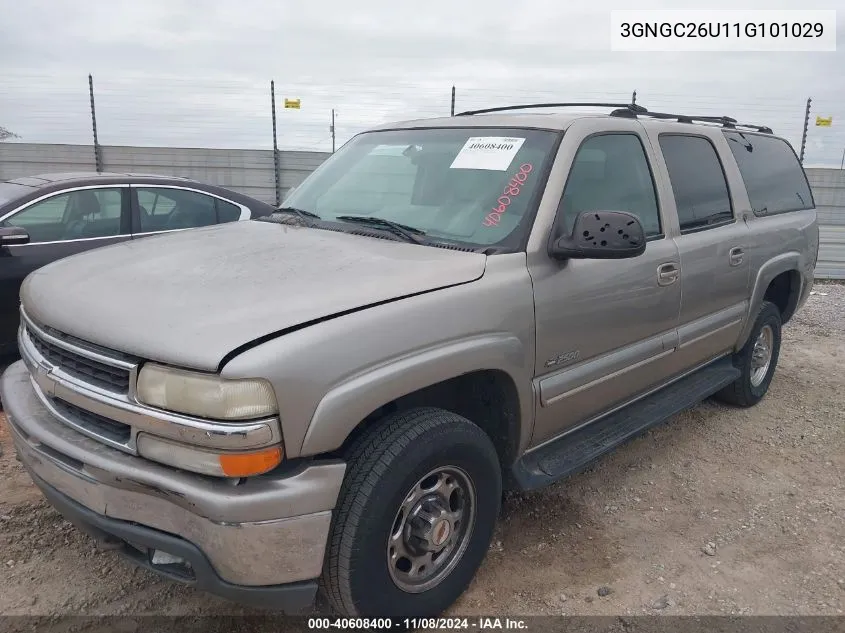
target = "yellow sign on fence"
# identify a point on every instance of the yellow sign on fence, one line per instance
(294, 103)
(824, 122)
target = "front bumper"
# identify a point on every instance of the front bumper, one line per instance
(137, 543)
(243, 540)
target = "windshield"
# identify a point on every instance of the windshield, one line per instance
(10, 191)
(474, 186)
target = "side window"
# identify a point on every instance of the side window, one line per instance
(698, 182)
(771, 172)
(226, 211)
(611, 173)
(110, 203)
(74, 215)
(154, 204)
(165, 209)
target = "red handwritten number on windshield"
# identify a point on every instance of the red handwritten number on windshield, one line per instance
(510, 193)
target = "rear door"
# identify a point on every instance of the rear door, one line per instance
(713, 243)
(59, 224)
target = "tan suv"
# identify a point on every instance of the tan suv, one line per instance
(445, 308)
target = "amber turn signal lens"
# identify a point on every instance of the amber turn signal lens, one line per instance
(249, 464)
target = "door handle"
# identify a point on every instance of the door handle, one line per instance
(736, 256)
(667, 274)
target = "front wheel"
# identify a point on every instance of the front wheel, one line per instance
(414, 518)
(756, 360)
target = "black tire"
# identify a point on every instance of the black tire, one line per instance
(384, 464)
(743, 392)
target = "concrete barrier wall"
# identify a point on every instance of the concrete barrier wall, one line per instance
(829, 193)
(244, 170)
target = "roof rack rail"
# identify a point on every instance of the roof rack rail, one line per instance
(631, 111)
(631, 107)
(724, 121)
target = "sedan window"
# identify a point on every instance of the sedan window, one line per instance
(166, 209)
(74, 215)
(227, 212)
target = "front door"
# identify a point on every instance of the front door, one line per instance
(59, 225)
(604, 327)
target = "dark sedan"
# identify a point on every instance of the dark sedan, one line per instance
(47, 217)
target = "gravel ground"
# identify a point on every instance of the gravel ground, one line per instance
(722, 511)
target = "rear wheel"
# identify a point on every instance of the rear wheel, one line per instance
(756, 360)
(414, 518)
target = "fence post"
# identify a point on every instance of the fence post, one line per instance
(275, 144)
(453, 101)
(98, 158)
(804, 134)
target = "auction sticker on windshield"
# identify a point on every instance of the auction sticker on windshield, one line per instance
(487, 152)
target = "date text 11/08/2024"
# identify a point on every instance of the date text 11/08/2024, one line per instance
(419, 624)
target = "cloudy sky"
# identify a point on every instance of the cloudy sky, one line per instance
(197, 72)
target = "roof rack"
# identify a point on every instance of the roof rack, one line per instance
(724, 121)
(529, 106)
(631, 111)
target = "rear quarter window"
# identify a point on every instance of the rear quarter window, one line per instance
(226, 211)
(773, 177)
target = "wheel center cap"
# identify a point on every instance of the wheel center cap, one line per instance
(441, 532)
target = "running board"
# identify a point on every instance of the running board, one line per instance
(575, 451)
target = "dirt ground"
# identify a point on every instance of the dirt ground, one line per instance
(722, 511)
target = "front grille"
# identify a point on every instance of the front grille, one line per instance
(87, 369)
(96, 424)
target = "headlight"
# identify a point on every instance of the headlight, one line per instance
(205, 395)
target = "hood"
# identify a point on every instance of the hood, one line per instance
(190, 298)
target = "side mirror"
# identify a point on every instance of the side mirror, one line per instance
(602, 235)
(13, 236)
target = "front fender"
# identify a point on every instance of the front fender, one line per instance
(342, 408)
(329, 376)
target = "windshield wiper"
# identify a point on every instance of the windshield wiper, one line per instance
(305, 215)
(409, 233)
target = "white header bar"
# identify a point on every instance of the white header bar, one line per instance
(723, 30)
